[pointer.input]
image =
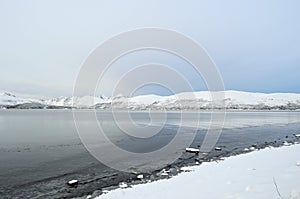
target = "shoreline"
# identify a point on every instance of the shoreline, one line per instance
(48, 179)
(176, 169)
(232, 165)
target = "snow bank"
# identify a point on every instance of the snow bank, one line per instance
(248, 176)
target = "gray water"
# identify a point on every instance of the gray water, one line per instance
(42, 147)
(56, 127)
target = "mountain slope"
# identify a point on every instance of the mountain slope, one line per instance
(181, 101)
(203, 100)
(10, 100)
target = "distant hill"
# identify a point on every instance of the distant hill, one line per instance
(182, 101)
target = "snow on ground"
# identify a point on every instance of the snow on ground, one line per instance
(248, 176)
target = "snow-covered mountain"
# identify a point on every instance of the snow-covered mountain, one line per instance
(78, 102)
(181, 101)
(10, 100)
(203, 100)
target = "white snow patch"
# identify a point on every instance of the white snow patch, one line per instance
(164, 173)
(231, 178)
(285, 143)
(186, 169)
(252, 148)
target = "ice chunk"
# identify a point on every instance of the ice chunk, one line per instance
(192, 150)
(218, 149)
(123, 185)
(141, 176)
(72, 183)
(297, 135)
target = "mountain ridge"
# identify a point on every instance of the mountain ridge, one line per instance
(181, 101)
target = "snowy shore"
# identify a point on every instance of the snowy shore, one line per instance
(268, 173)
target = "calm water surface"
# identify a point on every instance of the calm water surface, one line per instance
(43, 146)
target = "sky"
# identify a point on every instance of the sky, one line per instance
(254, 43)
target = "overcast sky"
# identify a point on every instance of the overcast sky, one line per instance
(255, 43)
